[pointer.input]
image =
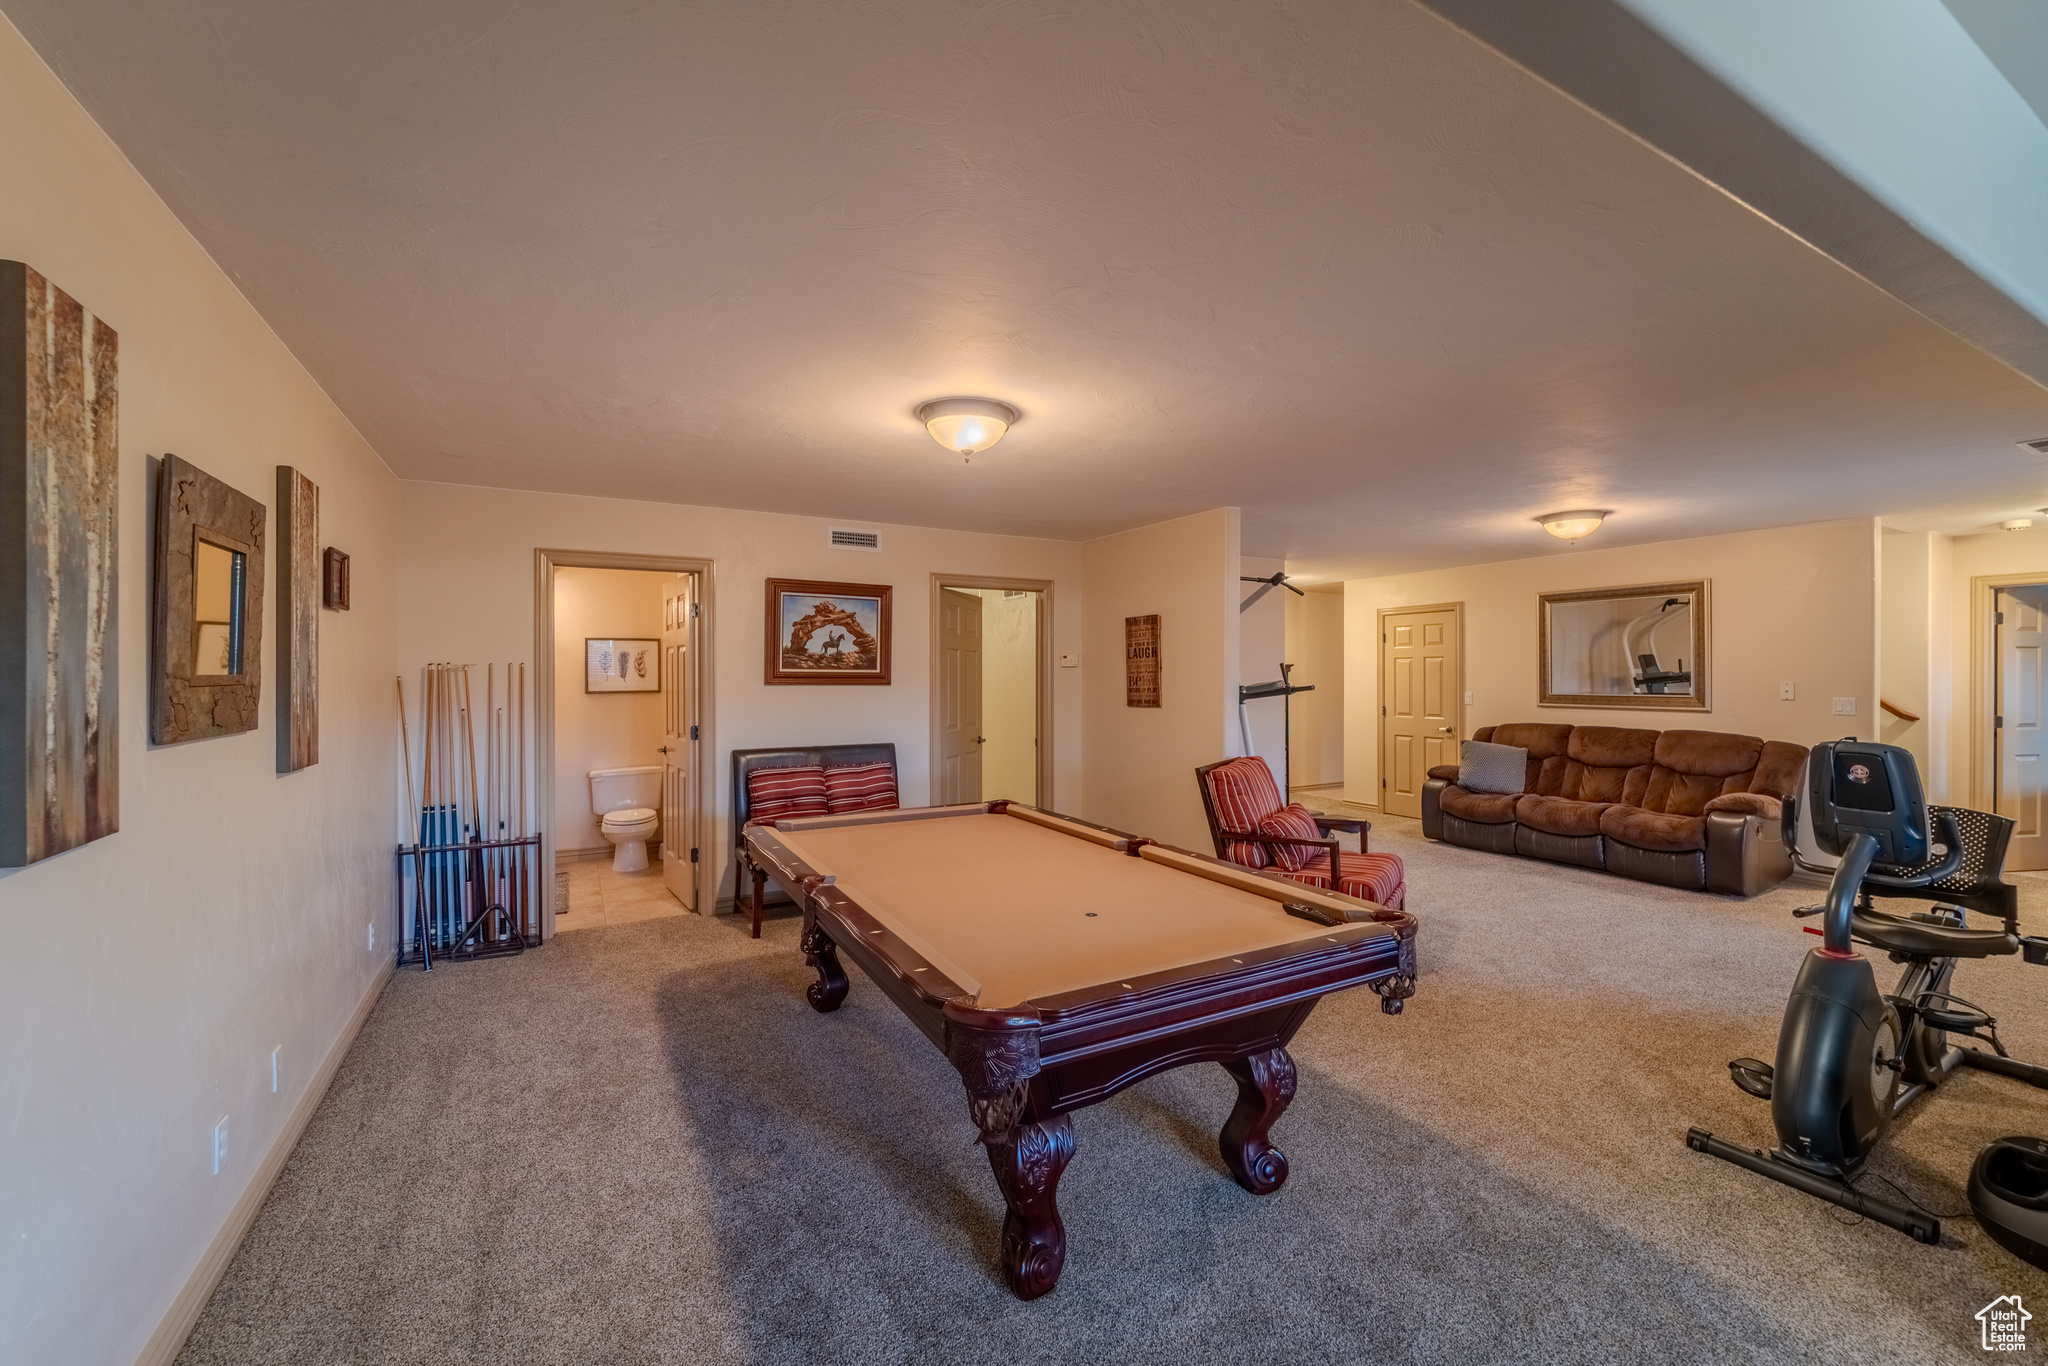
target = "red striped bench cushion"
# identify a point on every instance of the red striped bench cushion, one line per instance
(1245, 794)
(775, 794)
(861, 787)
(1292, 822)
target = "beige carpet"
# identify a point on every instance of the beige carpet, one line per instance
(640, 1145)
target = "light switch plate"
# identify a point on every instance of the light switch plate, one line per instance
(1070, 661)
(1468, 699)
(1845, 706)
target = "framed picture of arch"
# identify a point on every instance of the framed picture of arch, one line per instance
(827, 632)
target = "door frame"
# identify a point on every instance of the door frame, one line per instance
(1042, 587)
(545, 563)
(1983, 744)
(1379, 683)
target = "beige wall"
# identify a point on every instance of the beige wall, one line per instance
(1261, 646)
(1793, 603)
(1905, 657)
(467, 558)
(599, 730)
(1141, 761)
(147, 976)
(1957, 636)
(1315, 645)
(1009, 694)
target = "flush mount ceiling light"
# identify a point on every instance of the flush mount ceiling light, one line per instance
(966, 425)
(2019, 524)
(1570, 526)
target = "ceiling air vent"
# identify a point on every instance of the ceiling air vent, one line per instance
(845, 538)
(2037, 447)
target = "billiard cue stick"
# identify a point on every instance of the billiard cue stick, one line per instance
(411, 808)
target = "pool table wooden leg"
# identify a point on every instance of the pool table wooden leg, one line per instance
(1265, 1084)
(829, 991)
(1027, 1159)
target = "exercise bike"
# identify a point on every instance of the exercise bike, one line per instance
(1851, 1059)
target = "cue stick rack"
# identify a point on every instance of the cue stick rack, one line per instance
(469, 881)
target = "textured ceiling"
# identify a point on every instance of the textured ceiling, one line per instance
(1331, 262)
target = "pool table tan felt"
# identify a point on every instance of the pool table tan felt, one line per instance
(1056, 963)
(1014, 911)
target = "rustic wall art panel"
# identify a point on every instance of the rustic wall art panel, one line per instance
(59, 680)
(334, 580)
(206, 630)
(1141, 661)
(298, 621)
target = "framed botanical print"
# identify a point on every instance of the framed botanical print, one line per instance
(621, 664)
(827, 632)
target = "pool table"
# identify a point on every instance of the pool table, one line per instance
(1056, 962)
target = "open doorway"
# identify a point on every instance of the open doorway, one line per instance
(991, 689)
(2019, 741)
(621, 717)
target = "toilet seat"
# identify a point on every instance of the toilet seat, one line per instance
(633, 818)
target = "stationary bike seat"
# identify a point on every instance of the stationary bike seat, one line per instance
(1921, 938)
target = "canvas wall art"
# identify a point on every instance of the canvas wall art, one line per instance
(298, 621)
(827, 632)
(1141, 661)
(59, 465)
(620, 664)
(334, 580)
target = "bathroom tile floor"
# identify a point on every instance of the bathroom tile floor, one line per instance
(600, 897)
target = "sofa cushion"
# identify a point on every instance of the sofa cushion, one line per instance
(1482, 808)
(1603, 763)
(1708, 753)
(1369, 877)
(775, 794)
(1653, 830)
(1559, 815)
(1546, 745)
(1245, 794)
(1748, 804)
(1777, 769)
(860, 787)
(1294, 822)
(1487, 767)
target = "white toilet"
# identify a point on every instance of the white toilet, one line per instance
(627, 802)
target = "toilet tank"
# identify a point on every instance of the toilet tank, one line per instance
(622, 789)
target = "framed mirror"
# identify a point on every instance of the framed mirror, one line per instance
(206, 625)
(1645, 646)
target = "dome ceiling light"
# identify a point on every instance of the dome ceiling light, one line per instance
(1570, 526)
(966, 425)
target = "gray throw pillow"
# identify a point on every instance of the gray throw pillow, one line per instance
(1484, 767)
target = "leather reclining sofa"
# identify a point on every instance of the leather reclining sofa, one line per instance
(1695, 809)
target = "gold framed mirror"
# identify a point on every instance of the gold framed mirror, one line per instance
(1645, 646)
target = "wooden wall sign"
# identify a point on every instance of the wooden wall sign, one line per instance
(1141, 661)
(334, 580)
(60, 718)
(298, 621)
(206, 629)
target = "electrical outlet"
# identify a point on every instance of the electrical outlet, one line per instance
(1845, 706)
(1070, 661)
(220, 1145)
(1786, 692)
(274, 1059)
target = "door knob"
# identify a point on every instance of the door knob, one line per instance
(1445, 729)
(663, 750)
(979, 741)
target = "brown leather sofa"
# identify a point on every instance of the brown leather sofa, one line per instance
(1697, 809)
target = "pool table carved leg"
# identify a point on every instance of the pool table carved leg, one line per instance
(829, 991)
(1265, 1084)
(1027, 1159)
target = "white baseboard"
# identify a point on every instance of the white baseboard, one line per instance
(183, 1315)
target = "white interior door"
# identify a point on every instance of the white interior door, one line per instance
(960, 737)
(679, 742)
(2022, 779)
